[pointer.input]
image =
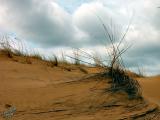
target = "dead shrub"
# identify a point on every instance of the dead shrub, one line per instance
(120, 80)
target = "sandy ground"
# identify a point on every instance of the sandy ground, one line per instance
(151, 88)
(39, 92)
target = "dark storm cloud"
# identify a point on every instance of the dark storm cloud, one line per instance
(42, 22)
(48, 24)
(145, 56)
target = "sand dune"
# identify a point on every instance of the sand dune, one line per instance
(151, 88)
(39, 92)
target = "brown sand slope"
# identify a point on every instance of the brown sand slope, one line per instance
(39, 92)
(151, 88)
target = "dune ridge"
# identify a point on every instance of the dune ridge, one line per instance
(66, 92)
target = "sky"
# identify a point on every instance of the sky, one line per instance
(60, 25)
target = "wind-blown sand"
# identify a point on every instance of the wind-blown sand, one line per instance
(39, 92)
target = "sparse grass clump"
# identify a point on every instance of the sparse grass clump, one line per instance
(120, 80)
(5, 47)
(76, 56)
(8, 49)
(141, 72)
(36, 55)
(53, 61)
(97, 61)
(12, 48)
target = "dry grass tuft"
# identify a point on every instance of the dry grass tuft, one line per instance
(12, 48)
(7, 47)
(53, 61)
(76, 56)
(120, 80)
(36, 55)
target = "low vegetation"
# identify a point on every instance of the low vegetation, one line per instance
(115, 69)
(121, 81)
(53, 61)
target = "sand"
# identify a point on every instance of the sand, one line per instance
(66, 92)
(151, 88)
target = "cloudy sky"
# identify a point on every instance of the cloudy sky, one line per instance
(65, 24)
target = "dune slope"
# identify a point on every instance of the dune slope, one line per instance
(39, 92)
(151, 88)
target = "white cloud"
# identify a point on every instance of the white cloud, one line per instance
(49, 24)
(44, 23)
